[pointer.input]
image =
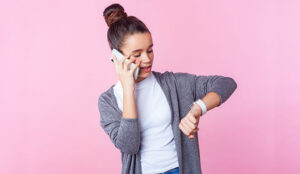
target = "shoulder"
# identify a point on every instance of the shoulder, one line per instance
(162, 75)
(105, 97)
(167, 74)
(177, 77)
(173, 75)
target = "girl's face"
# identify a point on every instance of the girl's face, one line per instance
(139, 45)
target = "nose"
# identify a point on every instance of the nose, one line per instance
(146, 59)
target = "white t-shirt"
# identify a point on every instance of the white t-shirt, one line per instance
(158, 151)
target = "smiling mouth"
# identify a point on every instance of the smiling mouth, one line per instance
(146, 67)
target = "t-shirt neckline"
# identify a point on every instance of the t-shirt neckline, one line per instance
(146, 82)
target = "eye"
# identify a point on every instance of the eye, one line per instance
(150, 51)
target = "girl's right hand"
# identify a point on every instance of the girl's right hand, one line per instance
(124, 74)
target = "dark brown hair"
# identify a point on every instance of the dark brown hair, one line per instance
(121, 25)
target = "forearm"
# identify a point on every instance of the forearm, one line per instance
(124, 132)
(129, 105)
(211, 100)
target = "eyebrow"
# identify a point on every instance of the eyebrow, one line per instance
(142, 49)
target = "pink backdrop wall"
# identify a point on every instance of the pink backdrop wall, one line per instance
(54, 65)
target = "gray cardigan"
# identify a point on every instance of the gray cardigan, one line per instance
(181, 90)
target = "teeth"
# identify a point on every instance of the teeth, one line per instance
(145, 67)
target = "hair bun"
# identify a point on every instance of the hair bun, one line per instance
(113, 13)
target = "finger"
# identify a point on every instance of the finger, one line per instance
(190, 123)
(183, 129)
(193, 119)
(191, 136)
(123, 60)
(135, 66)
(194, 131)
(128, 62)
(186, 127)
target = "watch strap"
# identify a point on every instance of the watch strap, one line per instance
(202, 105)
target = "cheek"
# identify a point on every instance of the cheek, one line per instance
(151, 56)
(137, 60)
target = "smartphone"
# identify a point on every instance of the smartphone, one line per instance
(119, 57)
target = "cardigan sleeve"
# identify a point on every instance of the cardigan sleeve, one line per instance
(123, 132)
(201, 85)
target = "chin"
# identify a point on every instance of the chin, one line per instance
(143, 76)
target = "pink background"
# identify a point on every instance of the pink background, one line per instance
(54, 65)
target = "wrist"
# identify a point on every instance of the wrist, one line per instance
(202, 105)
(127, 87)
(128, 90)
(196, 109)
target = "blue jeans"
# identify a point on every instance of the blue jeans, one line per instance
(172, 171)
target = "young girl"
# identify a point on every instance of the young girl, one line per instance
(153, 120)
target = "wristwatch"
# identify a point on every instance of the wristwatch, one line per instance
(201, 104)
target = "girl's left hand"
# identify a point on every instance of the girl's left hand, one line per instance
(189, 123)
